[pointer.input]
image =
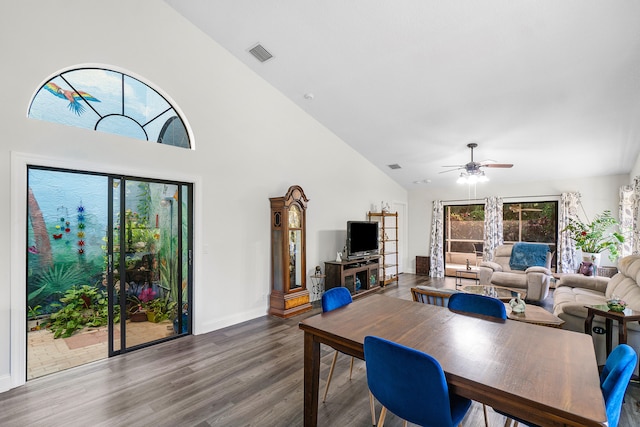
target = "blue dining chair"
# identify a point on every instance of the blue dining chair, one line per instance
(333, 299)
(478, 304)
(411, 384)
(614, 379)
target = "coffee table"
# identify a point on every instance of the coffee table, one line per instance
(471, 274)
(535, 315)
(500, 292)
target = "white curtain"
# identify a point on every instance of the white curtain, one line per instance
(628, 216)
(635, 233)
(493, 226)
(436, 251)
(566, 255)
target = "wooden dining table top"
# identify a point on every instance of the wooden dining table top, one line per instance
(544, 375)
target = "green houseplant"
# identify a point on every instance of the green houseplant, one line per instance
(596, 236)
(160, 309)
(83, 306)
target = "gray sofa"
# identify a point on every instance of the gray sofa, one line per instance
(574, 291)
(535, 280)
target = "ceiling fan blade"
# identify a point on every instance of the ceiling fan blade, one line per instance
(498, 165)
(452, 166)
(451, 170)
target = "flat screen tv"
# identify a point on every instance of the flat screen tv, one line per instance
(362, 239)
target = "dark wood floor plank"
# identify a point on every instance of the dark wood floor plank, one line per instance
(249, 374)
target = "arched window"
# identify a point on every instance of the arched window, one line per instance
(109, 101)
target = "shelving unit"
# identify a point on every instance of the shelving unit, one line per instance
(388, 229)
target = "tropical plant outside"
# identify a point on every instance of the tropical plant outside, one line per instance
(530, 222)
(523, 221)
(82, 306)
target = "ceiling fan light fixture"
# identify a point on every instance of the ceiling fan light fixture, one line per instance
(472, 177)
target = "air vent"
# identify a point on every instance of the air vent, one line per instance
(260, 53)
(395, 166)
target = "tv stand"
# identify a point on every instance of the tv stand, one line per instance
(348, 273)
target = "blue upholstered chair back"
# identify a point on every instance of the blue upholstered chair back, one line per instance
(614, 380)
(478, 304)
(411, 384)
(335, 298)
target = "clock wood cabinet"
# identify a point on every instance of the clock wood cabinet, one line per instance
(289, 294)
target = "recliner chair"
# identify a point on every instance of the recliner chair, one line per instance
(535, 280)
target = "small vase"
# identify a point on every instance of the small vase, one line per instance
(592, 258)
(518, 306)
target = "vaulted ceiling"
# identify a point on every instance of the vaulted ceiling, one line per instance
(552, 86)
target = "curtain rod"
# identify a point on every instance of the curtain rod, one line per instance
(510, 197)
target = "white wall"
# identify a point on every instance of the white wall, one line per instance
(598, 194)
(635, 171)
(252, 143)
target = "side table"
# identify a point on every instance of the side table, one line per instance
(423, 265)
(622, 318)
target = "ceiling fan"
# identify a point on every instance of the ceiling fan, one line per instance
(472, 172)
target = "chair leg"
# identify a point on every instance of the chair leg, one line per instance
(373, 409)
(383, 414)
(486, 418)
(351, 368)
(333, 365)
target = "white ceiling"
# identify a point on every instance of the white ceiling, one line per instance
(552, 86)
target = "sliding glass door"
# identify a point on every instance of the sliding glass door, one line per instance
(150, 255)
(109, 265)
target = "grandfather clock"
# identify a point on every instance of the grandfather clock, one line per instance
(289, 294)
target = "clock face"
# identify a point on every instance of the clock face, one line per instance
(294, 217)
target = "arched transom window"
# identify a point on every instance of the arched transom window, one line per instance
(109, 101)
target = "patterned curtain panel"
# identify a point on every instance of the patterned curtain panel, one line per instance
(635, 238)
(493, 236)
(568, 208)
(628, 213)
(437, 238)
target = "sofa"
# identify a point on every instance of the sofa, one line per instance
(535, 280)
(574, 291)
(455, 261)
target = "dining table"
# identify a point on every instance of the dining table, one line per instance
(545, 376)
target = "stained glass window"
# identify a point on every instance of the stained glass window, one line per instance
(112, 102)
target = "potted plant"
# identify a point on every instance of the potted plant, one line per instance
(594, 237)
(136, 312)
(159, 309)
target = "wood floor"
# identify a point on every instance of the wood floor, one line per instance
(245, 375)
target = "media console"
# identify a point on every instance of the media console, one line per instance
(360, 276)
